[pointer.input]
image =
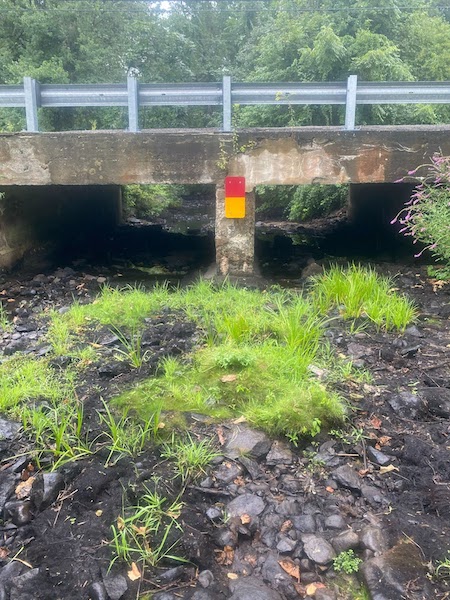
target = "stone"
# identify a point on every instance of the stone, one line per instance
(251, 588)
(8, 483)
(245, 441)
(228, 471)
(438, 401)
(24, 586)
(286, 545)
(252, 466)
(53, 484)
(246, 504)
(8, 429)
(279, 454)
(272, 572)
(398, 573)
(318, 549)
(214, 514)
(324, 595)
(97, 591)
(304, 523)
(335, 522)
(407, 405)
(373, 495)
(205, 578)
(378, 457)
(201, 595)
(373, 538)
(345, 540)
(116, 586)
(347, 477)
(19, 512)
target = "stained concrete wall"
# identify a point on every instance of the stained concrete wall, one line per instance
(263, 156)
(58, 215)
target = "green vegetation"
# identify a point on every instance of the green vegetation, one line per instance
(143, 532)
(442, 569)
(347, 562)
(147, 201)
(189, 456)
(359, 292)
(5, 324)
(132, 350)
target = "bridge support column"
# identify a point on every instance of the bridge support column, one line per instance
(235, 238)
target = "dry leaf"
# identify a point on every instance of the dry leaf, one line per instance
(23, 489)
(291, 568)
(246, 519)
(384, 440)
(228, 378)
(286, 526)
(375, 422)
(98, 513)
(134, 572)
(387, 469)
(312, 588)
(220, 436)
(232, 576)
(239, 480)
(4, 552)
(226, 556)
(363, 472)
(239, 420)
(329, 489)
(27, 472)
(120, 523)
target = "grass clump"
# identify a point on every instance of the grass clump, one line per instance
(5, 324)
(189, 456)
(142, 534)
(360, 292)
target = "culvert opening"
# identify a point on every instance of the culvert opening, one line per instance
(349, 221)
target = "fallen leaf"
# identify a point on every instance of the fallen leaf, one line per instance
(226, 556)
(220, 436)
(384, 440)
(312, 588)
(240, 419)
(232, 576)
(363, 472)
(239, 481)
(120, 523)
(98, 513)
(27, 472)
(134, 572)
(286, 526)
(228, 378)
(375, 422)
(388, 469)
(329, 489)
(4, 552)
(291, 568)
(23, 489)
(245, 519)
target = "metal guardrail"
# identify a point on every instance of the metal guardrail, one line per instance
(134, 95)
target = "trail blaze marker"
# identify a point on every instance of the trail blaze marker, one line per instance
(235, 197)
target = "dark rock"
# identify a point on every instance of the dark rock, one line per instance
(286, 545)
(250, 588)
(346, 540)
(318, 549)
(170, 574)
(279, 454)
(214, 514)
(414, 331)
(407, 405)
(438, 401)
(205, 578)
(335, 522)
(202, 595)
(410, 351)
(113, 368)
(8, 483)
(246, 504)
(378, 457)
(373, 538)
(251, 465)
(356, 351)
(398, 573)
(116, 586)
(8, 429)
(304, 523)
(246, 441)
(97, 591)
(225, 537)
(164, 596)
(373, 495)
(53, 484)
(288, 508)
(228, 472)
(24, 586)
(325, 595)
(347, 477)
(19, 512)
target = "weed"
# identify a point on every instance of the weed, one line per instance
(190, 457)
(360, 292)
(352, 437)
(5, 324)
(347, 562)
(132, 350)
(143, 532)
(125, 437)
(442, 569)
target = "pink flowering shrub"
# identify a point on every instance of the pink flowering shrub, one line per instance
(426, 215)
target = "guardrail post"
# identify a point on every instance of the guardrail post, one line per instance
(350, 104)
(133, 103)
(226, 102)
(32, 101)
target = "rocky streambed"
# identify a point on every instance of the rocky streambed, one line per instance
(268, 520)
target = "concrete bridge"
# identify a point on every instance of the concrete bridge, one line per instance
(37, 164)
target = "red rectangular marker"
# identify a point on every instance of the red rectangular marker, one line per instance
(235, 197)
